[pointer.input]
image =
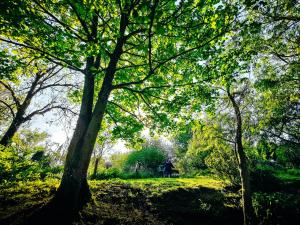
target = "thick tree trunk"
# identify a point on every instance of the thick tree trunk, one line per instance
(74, 189)
(248, 211)
(74, 192)
(73, 182)
(86, 110)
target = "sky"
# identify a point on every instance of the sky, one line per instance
(61, 130)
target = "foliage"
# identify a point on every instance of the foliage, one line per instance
(181, 140)
(9, 63)
(112, 173)
(18, 166)
(118, 160)
(149, 158)
(223, 163)
(106, 174)
(28, 158)
(209, 150)
(288, 155)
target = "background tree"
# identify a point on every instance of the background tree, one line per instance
(103, 145)
(277, 68)
(31, 82)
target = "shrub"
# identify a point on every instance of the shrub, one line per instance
(223, 163)
(149, 157)
(107, 174)
(17, 165)
(288, 155)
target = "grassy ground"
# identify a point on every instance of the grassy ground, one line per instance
(136, 201)
(201, 200)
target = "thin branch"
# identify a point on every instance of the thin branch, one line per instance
(152, 15)
(149, 106)
(13, 94)
(114, 120)
(151, 72)
(52, 57)
(46, 109)
(82, 22)
(125, 110)
(9, 107)
(60, 22)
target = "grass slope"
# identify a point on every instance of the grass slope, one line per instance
(158, 201)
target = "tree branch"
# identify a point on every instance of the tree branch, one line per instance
(13, 94)
(125, 110)
(60, 22)
(52, 57)
(82, 22)
(151, 72)
(9, 107)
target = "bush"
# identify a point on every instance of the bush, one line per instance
(149, 158)
(16, 165)
(138, 175)
(294, 171)
(107, 174)
(223, 163)
(112, 173)
(288, 155)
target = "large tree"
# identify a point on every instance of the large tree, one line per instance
(128, 51)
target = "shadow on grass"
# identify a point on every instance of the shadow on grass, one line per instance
(121, 203)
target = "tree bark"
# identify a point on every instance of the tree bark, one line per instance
(70, 185)
(74, 191)
(248, 211)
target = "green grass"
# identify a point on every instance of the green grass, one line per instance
(161, 185)
(24, 196)
(150, 201)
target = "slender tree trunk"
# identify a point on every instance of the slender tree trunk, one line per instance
(19, 117)
(248, 211)
(96, 166)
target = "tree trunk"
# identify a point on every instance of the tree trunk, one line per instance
(74, 190)
(73, 182)
(96, 166)
(248, 211)
(21, 109)
(13, 128)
